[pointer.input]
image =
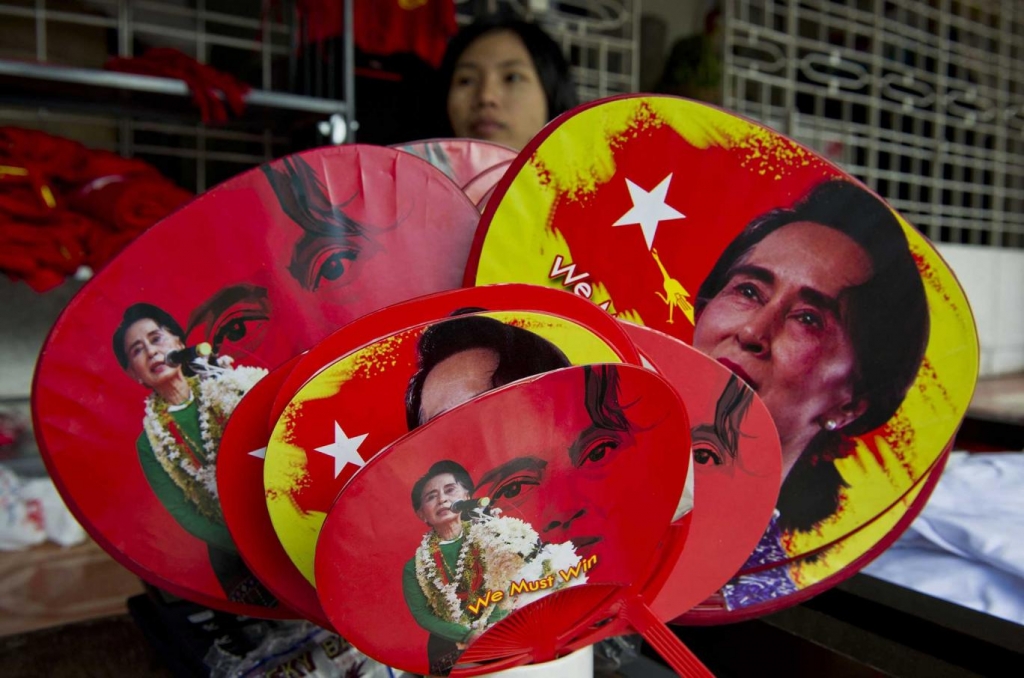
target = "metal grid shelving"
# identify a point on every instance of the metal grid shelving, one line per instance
(923, 100)
(51, 78)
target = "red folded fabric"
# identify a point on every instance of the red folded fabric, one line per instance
(206, 84)
(131, 205)
(63, 206)
(52, 158)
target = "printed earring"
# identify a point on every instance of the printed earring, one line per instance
(831, 424)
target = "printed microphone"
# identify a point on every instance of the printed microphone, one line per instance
(186, 356)
(467, 505)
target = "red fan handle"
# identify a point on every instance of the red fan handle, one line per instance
(666, 643)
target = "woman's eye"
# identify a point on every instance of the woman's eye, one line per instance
(514, 77)
(332, 266)
(810, 319)
(512, 489)
(706, 455)
(748, 290)
(599, 451)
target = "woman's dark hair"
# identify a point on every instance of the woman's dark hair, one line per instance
(521, 353)
(887, 322)
(548, 60)
(601, 395)
(460, 474)
(720, 439)
(134, 314)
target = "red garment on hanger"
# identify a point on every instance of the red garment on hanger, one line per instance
(383, 27)
(207, 84)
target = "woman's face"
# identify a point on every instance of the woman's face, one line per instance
(455, 380)
(146, 344)
(495, 93)
(439, 494)
(780, 324)
(559, 480)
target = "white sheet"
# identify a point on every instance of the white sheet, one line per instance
(967, 546)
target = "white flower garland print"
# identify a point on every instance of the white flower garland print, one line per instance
(221, 392)
(510, 551)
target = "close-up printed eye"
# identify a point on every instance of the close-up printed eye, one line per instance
(234, 320)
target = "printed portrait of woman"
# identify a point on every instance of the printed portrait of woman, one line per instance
(552, 486)
(184, 419)
(820, 308)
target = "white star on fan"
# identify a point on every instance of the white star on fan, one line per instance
(649, 208)
(259, 454)
(345, 450)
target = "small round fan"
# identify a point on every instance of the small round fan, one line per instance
(736, 464)
(362, 401)
(240, 488)
(770, 590)
(288, 252)
(434, 307)
(724, 234)
(559, 482)
(479, 189)
(462, 160)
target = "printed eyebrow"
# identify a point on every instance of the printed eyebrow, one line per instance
(516, 465)
(820, 300)
(758, 273)
(808, 295)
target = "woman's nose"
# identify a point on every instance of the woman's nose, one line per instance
(487, 91)
(755, 332)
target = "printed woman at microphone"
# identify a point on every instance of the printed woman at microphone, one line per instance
(185, 415)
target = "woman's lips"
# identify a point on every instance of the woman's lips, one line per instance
(486, 128)
(739, 372)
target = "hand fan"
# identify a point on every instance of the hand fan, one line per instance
(240, 488)
(462, 160)
(842, 318)
(577, 474)
(288, 252)
(480, 187)
(434, 307)
(736, 463)
(750, 595)
(366, 399)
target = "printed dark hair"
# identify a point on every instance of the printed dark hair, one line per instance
(134, 314)
(720, 439)
(440, 468)
(601, 395)
(521, 353)
(548, 60)
(887, 321)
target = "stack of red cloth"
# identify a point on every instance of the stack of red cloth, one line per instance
(63, 206)
(207, 84)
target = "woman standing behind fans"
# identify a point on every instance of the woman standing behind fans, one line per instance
(504, 79)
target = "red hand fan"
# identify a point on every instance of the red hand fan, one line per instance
(364, 400)
(736, 463)
(288, 253)
(481, 186)
(749, 595)
(586, 466)
(240, 487)
(434, 307)
(842, 318)
(462, 160)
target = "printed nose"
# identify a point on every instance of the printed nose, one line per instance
(755, 334)
(565, 526)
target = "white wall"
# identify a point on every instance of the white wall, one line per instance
(993, 279)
